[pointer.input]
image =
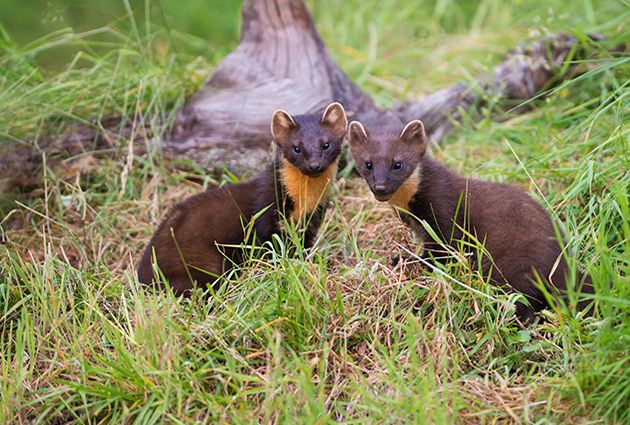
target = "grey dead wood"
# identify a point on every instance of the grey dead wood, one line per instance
(282, 62)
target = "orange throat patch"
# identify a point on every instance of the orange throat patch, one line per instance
(405, 192)
(306, 192)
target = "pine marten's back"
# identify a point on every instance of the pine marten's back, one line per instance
(185, 243)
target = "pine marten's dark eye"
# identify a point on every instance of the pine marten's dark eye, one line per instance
(368, 165)
(297, 149)
(325, 146)
(397, 165)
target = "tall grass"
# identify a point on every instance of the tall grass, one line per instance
(333, 334)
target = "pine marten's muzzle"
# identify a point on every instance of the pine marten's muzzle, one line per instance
(380, 192)
(315, 169)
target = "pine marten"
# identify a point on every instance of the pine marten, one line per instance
(189, 244)
(517, 233)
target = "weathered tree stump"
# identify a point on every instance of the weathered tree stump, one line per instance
(282, 62)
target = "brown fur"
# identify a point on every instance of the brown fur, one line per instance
(189, 244)
(516, 232)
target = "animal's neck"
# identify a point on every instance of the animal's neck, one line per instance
(407, 190)
(305, 192)
(429, 181)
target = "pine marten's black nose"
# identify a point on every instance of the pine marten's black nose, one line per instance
(315, 166)
(380, 192)
(379, 188)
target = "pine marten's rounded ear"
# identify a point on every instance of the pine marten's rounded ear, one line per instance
(334, 116)
(282, 124)
(356, 134)
(414, 134)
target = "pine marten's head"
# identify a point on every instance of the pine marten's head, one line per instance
(387, 157)
(312, 142)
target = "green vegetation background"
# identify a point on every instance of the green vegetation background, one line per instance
(215, 21)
